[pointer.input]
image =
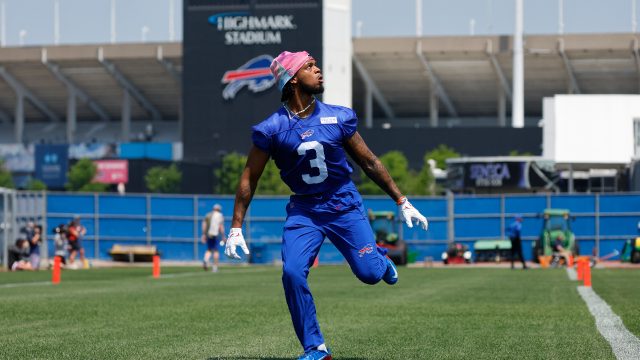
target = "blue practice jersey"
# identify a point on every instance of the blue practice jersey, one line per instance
(309, 151)
(514, 229)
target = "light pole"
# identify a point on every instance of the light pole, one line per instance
(359, 28)
(56, 22)
(560, 17)
(634, 19)
(3, 26)
(172, 30)
(113, 21)
(418, 18)
(144, 31)
(22, 35)
(517, 109)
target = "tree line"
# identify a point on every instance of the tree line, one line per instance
(411, 181)
(167, 179)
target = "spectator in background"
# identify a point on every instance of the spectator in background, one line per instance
(514, 231)
(60, 243)
(213, 235)
(18, 255)
(75, 233)
(27, 231)
(558, 247)
(34, 247)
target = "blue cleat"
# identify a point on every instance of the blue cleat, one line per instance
(316, 355)
(391, 275)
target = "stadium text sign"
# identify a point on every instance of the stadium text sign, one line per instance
(489, 174)
(112, 171)
(227, 85)
(52, 164)
(245, 29)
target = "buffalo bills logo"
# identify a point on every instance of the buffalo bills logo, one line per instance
(365, 250)
(306, 134)
(255, 74)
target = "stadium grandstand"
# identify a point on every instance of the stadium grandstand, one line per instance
(484, 201)
(111, 93)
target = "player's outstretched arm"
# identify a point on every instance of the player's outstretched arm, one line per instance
(371, 165)
(256, 161)
(375, 170)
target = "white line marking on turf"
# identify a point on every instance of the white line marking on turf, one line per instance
(624, 344)
(38, 283)
(572, 274)
(197, 273)
(185, 274)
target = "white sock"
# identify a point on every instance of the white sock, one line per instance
(322, 347)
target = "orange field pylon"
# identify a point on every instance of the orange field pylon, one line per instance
(580, 269)
(55, 275)
(587, 273)
(316, 262)
(156, 266)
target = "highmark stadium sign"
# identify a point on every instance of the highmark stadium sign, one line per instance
(241, 28)
(228, 47)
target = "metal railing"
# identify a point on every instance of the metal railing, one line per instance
(111, 219)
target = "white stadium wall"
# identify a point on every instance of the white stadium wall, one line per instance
(336, 48)
(590, 129)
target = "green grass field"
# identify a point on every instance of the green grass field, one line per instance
(240, 313)
(620, 288)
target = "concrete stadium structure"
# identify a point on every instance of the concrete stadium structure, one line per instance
(107, 92)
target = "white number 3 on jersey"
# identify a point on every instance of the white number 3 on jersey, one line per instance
(317, 162)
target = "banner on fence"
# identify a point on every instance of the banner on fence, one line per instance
(504, 174)
(52, 162)
(112, 171)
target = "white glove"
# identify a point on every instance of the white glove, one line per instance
(408, 213)
(234, 239)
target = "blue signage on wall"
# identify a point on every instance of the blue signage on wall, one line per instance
(52, 164)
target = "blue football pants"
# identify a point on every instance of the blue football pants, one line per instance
(303, 235)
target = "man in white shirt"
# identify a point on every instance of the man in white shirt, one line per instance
(213, 236)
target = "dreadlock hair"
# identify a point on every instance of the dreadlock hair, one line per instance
(287, 92)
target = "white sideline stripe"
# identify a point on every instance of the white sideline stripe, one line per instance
(571, 273)
(38, 283)
(178, 275)
(208, 272)
(624, 344)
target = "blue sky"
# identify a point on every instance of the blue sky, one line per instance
(87, 21)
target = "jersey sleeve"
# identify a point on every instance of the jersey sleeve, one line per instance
(349, 124)
(261, 139)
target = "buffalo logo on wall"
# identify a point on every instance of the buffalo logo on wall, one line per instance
(255, 74)
(241, 28)
(228, 47)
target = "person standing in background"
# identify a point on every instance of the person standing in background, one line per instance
(27, 231)
(514, 230)
(213, 235)
(60, 243)
(34, 247)
(75, 233)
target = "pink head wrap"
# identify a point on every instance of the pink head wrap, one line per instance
(287, 64)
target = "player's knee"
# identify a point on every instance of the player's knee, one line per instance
(292, 274)
(369, 277)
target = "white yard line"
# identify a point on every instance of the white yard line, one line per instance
(571, 273)
(167, 276)
(209, 272)
(624, 344)
(38, 283)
